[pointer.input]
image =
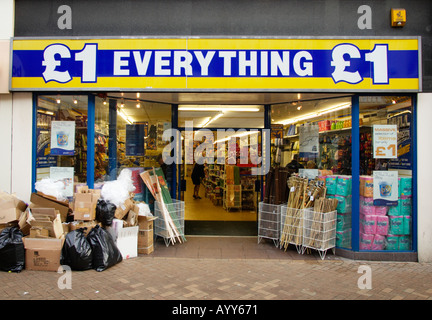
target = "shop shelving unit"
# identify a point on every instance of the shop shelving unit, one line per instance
(232, 197)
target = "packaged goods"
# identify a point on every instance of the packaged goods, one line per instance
(368, 224)
(378, 242)
(405, 186)
(382, 225)
(366, 241)
(392, 242)
(407, 225)
(366, 206)
(396, 225)
(404, 243)
(331, 184)
(366, 186)
(343, 185)
(344, 203)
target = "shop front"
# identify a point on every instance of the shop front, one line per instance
(338, 111)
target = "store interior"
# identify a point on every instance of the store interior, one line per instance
(229, 193)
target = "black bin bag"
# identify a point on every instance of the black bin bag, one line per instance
(105, 211)
(12, 254)
(105, 251)
(77, 252)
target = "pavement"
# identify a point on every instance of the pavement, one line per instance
(205, 269)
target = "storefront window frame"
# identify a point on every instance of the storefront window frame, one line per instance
(355, 154)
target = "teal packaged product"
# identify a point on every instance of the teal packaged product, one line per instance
(407, 225)
(395, 210)
(396, 225)
(405, 204)
(404, 243)
(405, 186)
(343, 221)
(343, 238)
(343, 186)
(392, 242)
(344, 204)
(331, 184)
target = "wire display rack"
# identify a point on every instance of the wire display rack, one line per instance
(176, 211)
(291, 227)
(269, 217)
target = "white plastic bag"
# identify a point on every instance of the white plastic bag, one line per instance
(52, 188)
(118, 191)
(144, 209)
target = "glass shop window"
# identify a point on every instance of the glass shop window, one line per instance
(386, 173)
(61, 139)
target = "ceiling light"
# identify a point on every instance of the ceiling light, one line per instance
(104, 102)
(138, 94)
(124, 116)
(299, 108)
(222, 108)
(138, 105)
(315, 114)
(75, 101)
(213, 119)
(58, 99)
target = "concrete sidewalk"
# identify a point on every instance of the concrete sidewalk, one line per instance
(209, 274)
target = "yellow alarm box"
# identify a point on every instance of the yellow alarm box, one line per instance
(398, 17)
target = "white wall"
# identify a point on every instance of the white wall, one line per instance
(6, 32)
(5, 141)
(424, 186)
(22, 125)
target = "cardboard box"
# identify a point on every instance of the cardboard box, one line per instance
(37, 232)
(46, 218)
(10, 207)
(146, 222)
(123, 209)
(145, 250)
(145, 238)
(39, 200)
(42, 254)
(84, 204)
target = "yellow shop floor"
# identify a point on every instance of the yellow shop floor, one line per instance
(203, 209)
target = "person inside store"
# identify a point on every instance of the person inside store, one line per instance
(294, 165)
(166, 169)
(197, 175)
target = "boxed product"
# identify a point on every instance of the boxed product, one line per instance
(405, 186)
(396, 225)
(343, 238)
(123, 209)
(366, 186)
(366, 206)
(343, 185)
(42, 254)
(404, 243)
(392, 242)
(378, 242)
(382, 225)
(344, 203)
(366, 241)
(331, 184)
(10, 207)
(343, 221)
(368, 224)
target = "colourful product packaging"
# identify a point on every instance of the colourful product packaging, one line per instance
(344, 203)
(382, 225)
(343, 238)
(396, 225)
(331, 184)
(392, 242)
(381, 211)
(343, 221)
(368, 224)
(366, 241)
(405, 206)
(405, 186)
(343, 186)
(366, 186)
(378, 242)
(395, 210)
(404, 243)
(407, 225)
(366, 206)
